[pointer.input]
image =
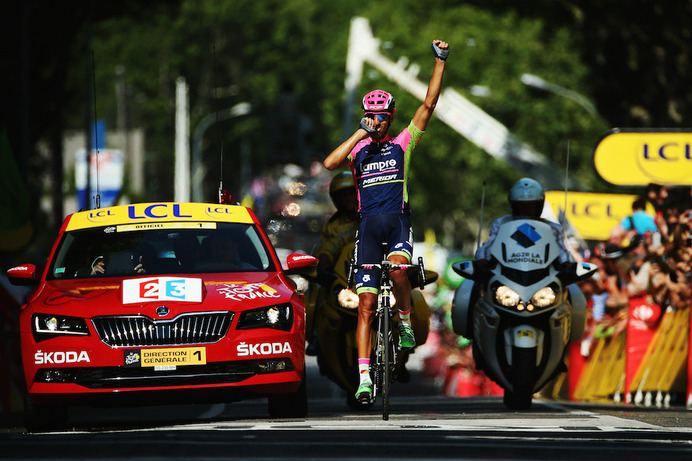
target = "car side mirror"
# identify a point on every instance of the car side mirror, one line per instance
(23, 275)
(300, 264)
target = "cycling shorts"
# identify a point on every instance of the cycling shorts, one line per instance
(379, 236)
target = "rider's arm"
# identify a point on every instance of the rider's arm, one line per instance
(339, 156)
(425, 111)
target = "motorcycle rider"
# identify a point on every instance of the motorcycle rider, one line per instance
(526, 199)
(379, 163)
(336, 233)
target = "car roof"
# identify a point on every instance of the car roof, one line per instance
(155, 212)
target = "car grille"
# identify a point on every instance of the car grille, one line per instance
(142, 331)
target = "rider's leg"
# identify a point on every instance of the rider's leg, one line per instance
(402, 290)
(366, 313)
(402, 293)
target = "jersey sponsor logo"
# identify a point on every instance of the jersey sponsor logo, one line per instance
(378, 166)
(44, 358)
(247, 350)
(379, 179)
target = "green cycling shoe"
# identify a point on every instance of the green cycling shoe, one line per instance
(364, 394)
(406, 338)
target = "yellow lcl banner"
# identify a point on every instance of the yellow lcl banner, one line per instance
(632, 157)
(591, 213)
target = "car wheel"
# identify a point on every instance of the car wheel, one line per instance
(290, 405)
(44, 417)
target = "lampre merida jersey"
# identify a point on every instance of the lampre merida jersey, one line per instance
(380, 170)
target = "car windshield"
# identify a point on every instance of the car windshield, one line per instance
(165, 248)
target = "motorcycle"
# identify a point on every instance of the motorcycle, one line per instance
(520, 309)
(335, 320)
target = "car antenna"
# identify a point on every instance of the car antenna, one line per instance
(480, 226)
(566, 183)
(96, 133)
(224, 196)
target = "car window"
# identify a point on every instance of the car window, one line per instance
(165, 248)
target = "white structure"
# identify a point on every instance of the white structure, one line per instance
(452, 108)
(182, 142)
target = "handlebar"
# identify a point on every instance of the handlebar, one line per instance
(389, 267)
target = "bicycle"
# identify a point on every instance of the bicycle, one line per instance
(386, 351)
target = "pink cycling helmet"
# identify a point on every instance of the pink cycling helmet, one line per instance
(379, 101)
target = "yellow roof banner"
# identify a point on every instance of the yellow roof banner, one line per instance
(593, 214)
(634, 157)
(160, 212)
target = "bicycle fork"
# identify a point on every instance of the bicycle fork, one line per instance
(383, 314)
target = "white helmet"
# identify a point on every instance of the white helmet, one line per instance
(526, 197)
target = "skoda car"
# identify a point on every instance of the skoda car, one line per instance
(162, 303)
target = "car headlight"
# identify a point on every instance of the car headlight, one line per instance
(45, 326)
(544, 297)
(506, 297)
(277, 316)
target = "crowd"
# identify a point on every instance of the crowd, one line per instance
(647, 256)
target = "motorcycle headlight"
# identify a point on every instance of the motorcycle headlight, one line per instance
(544, 297)
(506, 297)
(279, 317)
(347, 299)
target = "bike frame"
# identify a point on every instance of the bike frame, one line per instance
(386, 349)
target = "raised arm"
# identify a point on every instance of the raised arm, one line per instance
(425, 111)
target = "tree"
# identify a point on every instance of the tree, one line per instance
(286, 57)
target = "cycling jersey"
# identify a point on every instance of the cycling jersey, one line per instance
(380, 170)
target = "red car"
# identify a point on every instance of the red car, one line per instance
(162, 303)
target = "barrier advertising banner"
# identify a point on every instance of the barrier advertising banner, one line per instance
(637, 157)
(642, 323)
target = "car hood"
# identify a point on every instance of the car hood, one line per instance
(143, 295)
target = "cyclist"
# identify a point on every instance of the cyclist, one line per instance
(379, 164)
(336, 233)
(526, 199)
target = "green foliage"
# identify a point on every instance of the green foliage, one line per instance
(287, 58)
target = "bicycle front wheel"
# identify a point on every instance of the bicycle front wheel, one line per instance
(387, 360)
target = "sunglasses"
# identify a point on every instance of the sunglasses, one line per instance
(380, 117)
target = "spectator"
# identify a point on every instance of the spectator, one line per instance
(658, 197)
(638, 223)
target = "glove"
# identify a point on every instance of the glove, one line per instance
(364, 125)
(439, 52)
